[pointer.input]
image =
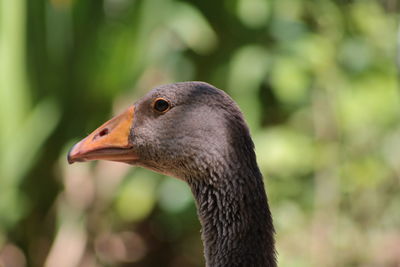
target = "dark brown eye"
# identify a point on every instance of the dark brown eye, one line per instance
(161, 105)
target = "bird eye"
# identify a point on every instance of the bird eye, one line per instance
(161, 105)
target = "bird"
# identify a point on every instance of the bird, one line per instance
(196, 133)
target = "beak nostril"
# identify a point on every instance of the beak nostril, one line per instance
(103, 132)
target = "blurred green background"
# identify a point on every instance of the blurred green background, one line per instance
(316, 80)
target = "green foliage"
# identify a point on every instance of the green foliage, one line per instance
(317, 83)
(24, 129)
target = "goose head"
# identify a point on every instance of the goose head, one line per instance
(180, 130)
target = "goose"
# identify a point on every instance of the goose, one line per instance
(196, 133)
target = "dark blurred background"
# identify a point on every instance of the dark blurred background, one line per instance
(316, 80)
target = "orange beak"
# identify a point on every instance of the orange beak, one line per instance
(108, 142)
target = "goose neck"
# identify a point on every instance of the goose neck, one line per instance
(237, 227)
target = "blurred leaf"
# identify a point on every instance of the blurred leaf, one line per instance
(28, 140)
(174, 195)
(369, 103)
(253, 13)
(290, 80)
(14, 95)
(192, 27)
(18, 155)
(283, 151)
(136, 198)
(364, 172)
(248, 69)
(24, 131)
(355, 54)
